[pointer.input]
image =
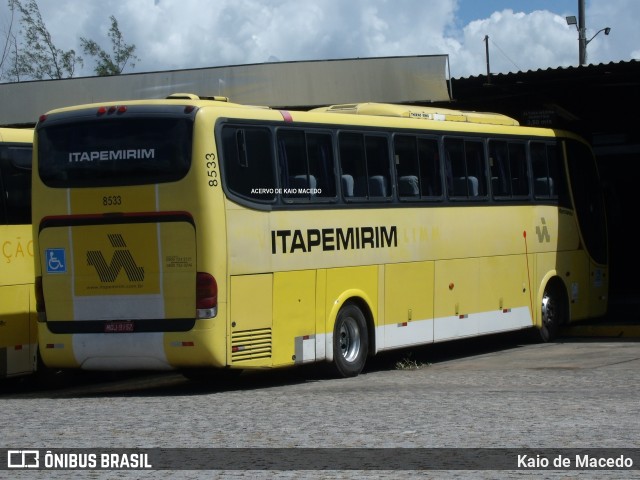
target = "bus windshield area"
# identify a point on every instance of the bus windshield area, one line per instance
(15, 180)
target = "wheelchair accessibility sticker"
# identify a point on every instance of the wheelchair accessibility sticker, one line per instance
(56, 261)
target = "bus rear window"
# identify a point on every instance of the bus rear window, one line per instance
(132, 151)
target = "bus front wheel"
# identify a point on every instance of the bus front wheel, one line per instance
(350, 341)
(552, 313)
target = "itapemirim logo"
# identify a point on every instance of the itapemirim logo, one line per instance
(543, 233)
(121, 258)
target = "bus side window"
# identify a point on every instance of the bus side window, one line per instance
(518, 169)
(321, 164)
(557, 174)
(407, 167)
(474, 158)
(465, 168)
(499, 168)
(544, 171)
(454, 166)
(248, 162)
(417, 164)
(306, 165)
(429, 161)
(365, 159)
(508, 167)
(292, 162)
(378, 166)
(353, 169)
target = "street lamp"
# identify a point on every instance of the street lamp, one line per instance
(606, 31)
(582, 40)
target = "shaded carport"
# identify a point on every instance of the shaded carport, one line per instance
(600, 102)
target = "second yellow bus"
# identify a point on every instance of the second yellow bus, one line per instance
(18, 330)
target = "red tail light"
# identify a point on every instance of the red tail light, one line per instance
(206, 295)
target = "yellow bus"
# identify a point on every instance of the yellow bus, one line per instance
(18, 326)
(201, 235)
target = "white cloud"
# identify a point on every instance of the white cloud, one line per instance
(200, 33)
(517, 41)
(622, 43)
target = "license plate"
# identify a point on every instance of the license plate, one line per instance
(118, 327)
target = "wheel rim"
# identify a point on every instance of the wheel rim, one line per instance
(549, 311)
(349, 339)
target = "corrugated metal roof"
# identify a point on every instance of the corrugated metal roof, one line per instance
(572, 70)
(587, 99)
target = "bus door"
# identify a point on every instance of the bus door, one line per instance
(590, 209)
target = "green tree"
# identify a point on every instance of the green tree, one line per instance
(9, 42)
(36, 57)
(123, 54)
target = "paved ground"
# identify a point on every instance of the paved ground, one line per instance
(498, 392)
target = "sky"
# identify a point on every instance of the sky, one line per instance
(181, 34)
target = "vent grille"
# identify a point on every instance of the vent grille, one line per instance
(250, 344)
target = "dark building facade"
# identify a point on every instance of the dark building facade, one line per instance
(601, 103)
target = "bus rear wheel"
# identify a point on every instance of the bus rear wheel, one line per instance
(350, 341)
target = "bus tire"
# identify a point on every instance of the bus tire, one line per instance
(350, 341)
(552, 313)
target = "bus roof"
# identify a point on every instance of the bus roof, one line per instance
(362, 110)
(188, 98)
(367, 108)
(18, 135)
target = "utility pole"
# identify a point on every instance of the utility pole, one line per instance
(486, 48)
(582, 34)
